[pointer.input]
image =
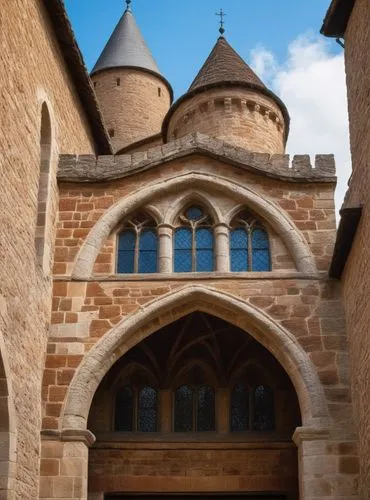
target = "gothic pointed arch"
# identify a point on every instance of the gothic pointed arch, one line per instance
(160, 312)
(261, 205)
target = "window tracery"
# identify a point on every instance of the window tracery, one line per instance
(194, 241)
(136, 409)
(138, 245)
(249, 244)
(251, 408)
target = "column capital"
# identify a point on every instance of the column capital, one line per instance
(83, 436)
(302, 434)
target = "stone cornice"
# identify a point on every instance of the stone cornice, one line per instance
(88, 168)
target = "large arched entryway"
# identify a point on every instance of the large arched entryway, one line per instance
(197, 407)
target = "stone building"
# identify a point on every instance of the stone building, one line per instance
(350, 21)
(168, 323)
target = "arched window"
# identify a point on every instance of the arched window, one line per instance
(138, 246)
(249, 244)
(43, 255)
(252, 409)
(194, 409)
(263, 409)
(136, 409)
(194, 242)
(239, 408)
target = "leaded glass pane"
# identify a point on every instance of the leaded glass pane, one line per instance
(126, 252)
(124, 410)
(148, 251)
(194, 213)
(183, 417)
(239, 409)
(205, 409)
(204, 249)
(147, 410)
(263, 406)
(183, 250)
(239, 250)
(261, 251)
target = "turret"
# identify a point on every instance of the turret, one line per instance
(228, 101)
(134, 96)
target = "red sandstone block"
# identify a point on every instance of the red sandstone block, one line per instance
(54, 409)
(65, 216)
(109, 311)
(71, 317)
(59, 268)
(102, 268)
(329, 376)
(104, 258)
(323, 359)
(80, 233)
(298, 214)
(307, 225)
(305, 202)
(98, 327)
(74, 360)
(262, 302)
(85, 207)
(60, 254)
(103, 301)
(49, 423)
(49, 377)
(70, 243)
(59, 289)
(288, 204)
(57, 393)
(104, 202)
(57, 318)
(67, 204)
(297, 326)
(311, 343)
(71, 224)
(55, 361)
(94, 290)
(123, 292)
(65, 376)
(65, 305)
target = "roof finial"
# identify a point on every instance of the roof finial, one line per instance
(222, 22)
(128, 2)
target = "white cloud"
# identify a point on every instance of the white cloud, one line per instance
(311, 82)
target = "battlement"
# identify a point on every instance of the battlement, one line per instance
(88, 168)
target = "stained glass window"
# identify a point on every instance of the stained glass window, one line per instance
(204, 250)
(147, 410)
(239, 411)
(138, 246)
(183, 414)
(124, 410)
(239, 250)
(148, 251)
(249, 244)
(183, 250)
(194, 242)
(261, 251)
(205, 409)
(263, 409)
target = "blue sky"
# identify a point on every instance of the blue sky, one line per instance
(181, 33)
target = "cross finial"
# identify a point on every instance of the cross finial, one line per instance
(128, 2)
(222, 15)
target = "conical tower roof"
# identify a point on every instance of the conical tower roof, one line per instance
(225, 65)
(127, 48)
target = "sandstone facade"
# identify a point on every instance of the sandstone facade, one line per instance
(70, 320)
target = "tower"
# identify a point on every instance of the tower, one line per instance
(133, 94)
(228, 101)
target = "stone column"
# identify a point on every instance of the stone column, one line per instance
(64, 464)
(166, 411)
(165, 252)
(321, 472)
(222, 248)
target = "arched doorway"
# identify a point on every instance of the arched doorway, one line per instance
(197, 407)
(7, 430)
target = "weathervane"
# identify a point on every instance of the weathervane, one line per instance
(222, 15)
(128, 2)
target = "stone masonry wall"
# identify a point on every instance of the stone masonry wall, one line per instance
(32, 71)
(133, 103)
(356, 279)
(238, 116)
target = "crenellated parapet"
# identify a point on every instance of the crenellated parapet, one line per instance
(88, 168)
